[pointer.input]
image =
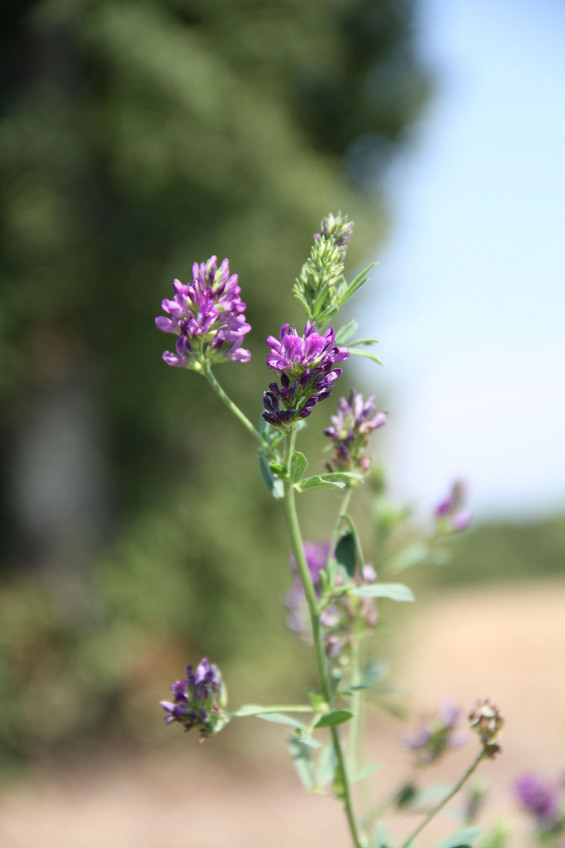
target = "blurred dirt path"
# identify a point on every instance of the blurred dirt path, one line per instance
(507, 643)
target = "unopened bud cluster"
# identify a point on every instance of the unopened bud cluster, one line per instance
(487, 723)
(321, 281)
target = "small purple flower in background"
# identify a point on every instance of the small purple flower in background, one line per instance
(451, 514)
(436, 734)
(199, 701)
(352, 425)
(342, 615)
(207, 318)
(542, 800)
(306, 365)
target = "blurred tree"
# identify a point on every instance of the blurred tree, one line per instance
(137, 136)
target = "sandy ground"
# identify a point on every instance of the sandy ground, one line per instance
(504, 643)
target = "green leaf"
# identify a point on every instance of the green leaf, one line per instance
(249, 710)
(356, 283)
(327, 762)
(392, 591)
(416, 554)
(317, 482)
(274, 485)
(345, 552)
(381, 838)
(406, 796)
(279, 718)
(374, 672)
(256, 710)
(431, 794)
(333, 718)
(353, 530)
(298, 465)
(302, 762)
(366, 342)
(461, 839)
(366, 772)
(365, 353)
(305, 737)
(346, 332)
(270, 434)
(342, 475)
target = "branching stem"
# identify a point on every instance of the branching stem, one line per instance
(435, 810)
(323, 674)
(207, 372)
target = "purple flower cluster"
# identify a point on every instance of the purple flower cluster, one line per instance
(207, 316)
(436, 734)
(351, 427)
(306, 365)
(451, 513)
(541, 799)
(199, 700)
(344, 615)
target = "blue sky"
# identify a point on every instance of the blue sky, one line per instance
(468, 299)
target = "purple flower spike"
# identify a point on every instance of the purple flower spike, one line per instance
(352, 425)
(306, 365)
(207, 317)
(199, 701)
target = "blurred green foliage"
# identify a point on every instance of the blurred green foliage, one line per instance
(507, 551)
(136, 138)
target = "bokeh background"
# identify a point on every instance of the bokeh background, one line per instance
(138, 137)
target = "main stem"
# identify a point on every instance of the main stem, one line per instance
(323, 674)
(207, 372)
(435, 810)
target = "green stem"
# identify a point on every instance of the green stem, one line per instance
(207, 372)
(323, 674)
(282, 708)
(435, 810)
(355, 723)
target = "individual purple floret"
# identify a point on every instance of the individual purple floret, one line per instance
(451, 513)
(207, 316)
(436, 734)
(306, 365)
(541, 799)
(337, 229)
(351, 427)
(198, 701)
